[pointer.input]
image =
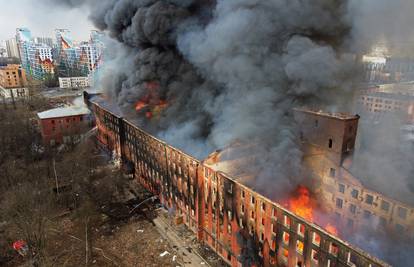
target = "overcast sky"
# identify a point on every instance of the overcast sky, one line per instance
(42, 18)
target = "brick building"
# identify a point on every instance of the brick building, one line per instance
(12, 82)
(64, 125)
(242, 226)
(328, 143)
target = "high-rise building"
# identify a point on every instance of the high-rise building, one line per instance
(44, 40)
(12, 48)
(24, 38)
(41, 60)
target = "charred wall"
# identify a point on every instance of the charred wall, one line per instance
(240, 225)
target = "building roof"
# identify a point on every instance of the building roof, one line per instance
(333, 115)
(63, 112)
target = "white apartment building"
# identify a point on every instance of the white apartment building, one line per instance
(74, 82)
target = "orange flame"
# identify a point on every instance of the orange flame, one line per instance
(151, 101)
(302, 204)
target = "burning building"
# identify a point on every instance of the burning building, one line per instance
(241, 225)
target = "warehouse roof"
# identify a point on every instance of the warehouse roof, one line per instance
(63, 112)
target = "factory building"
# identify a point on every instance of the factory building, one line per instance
(241, 225)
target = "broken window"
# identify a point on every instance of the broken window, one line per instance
(261, 237)
(332, 172)
(354, 193)
(385, 205)
(339, 203)
(263, 221)
(263, 206)
(316, 239)
(369, 199)
(315, 256)
(242, 209)
(286, 221)
(330, 143)
(402, 213)
(241, 223)
(341, 188)
(301, 229)
(252, 200)
(333, 249)
(242, 194)
(351, 259)
(286, 238)
(299, 247)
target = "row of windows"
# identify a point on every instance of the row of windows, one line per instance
(369, 199)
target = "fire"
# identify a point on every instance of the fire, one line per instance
(140, 105)
(151, 102)
(302, 204)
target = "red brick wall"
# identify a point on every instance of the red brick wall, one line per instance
(56, 128)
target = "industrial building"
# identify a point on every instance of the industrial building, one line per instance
(241, 225)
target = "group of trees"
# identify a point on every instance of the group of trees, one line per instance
(37, 184)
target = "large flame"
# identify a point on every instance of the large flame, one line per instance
(304, 205)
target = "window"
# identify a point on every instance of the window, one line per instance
(330, 143)
(352, 208)
(339, 203)
(252, 200)
(241, 223)
(341, 188)
(314, 256)
(263, 221)
(286, 238)
(350, 223)
(402, 213)
(385, 205)
(354, 193)
(242, 194)
(316, 239)
(316, 123)
(263, 206)
(286, 221)
(274, 228)
(301, 229)
(333, 249)
(299, 247)
(351, 259)
(53, 121)
(242, 208)
(332, 172)
(369, 199)
(274, 213)
(367, 214)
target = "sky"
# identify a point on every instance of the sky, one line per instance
(42, 17)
